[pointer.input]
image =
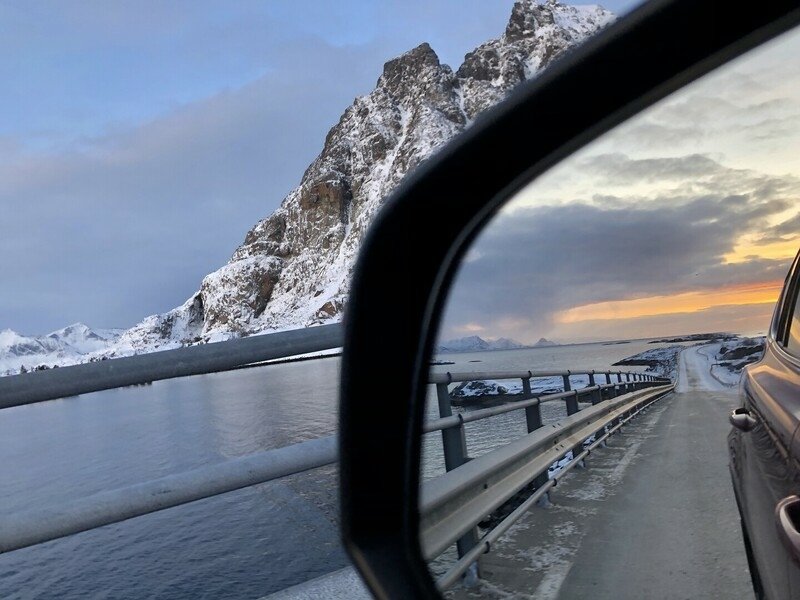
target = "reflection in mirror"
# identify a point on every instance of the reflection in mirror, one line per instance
(591, 347)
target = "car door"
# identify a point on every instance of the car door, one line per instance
(771, 481)
(764, 472)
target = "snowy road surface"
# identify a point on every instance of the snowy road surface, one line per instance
(694, 371)
(653, 515)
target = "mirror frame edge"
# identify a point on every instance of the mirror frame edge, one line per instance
(411, 250)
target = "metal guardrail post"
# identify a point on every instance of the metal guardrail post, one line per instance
(629, 388)
(454, 441)
(533, 414)
(572, 408)
(571, 401)
(612, 391)
(622, 389)
(597, 396)
(533, 418)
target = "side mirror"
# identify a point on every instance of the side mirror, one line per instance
(413, 250)
(742, 420)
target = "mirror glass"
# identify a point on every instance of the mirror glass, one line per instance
(591, 347)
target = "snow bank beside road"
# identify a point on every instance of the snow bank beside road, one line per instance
(696, 370)
(717, 366)
(725, 360)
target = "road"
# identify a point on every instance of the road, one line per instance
(652, 515)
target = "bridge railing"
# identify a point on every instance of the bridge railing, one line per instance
(27, 528)
(453, 504)
(39, 386)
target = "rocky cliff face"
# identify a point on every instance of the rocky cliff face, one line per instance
(294, 267)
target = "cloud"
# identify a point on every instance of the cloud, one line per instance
(690, 175)
(787, 230)
(745, 108)
(140, 141)
(533, 262)
(694, 194)
(749, 320)
(128, 223)
(618, 168)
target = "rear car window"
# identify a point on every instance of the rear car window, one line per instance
(793, 343)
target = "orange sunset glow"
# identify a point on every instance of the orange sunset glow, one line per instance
(737, 295)
(747, 249)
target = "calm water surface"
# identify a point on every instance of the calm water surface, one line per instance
(240, 545)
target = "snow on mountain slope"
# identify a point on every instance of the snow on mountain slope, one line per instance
(74, 344)
(293, 268)
(474, 343)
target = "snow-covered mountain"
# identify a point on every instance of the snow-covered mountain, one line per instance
(74, 344)
(474, 343)
(545, 343)
(293, 268)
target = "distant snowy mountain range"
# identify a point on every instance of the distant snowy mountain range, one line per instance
(294, 267)
(474, 343)
(71, 345)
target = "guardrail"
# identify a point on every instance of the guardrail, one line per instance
(36, 526)
(453, 504)
(39, 386)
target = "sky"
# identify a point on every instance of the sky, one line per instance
(684, 219)
(139, 141)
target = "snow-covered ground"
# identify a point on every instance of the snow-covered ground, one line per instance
(659, 361)
(71, 345)
(717, 366)
(473, 390)
(710, 365)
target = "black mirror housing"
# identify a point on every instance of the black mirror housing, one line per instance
(390, 329)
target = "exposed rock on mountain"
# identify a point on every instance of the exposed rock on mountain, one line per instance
(294, 267)
(544, 343)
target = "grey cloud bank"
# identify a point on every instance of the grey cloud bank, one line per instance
(531, 263)
(106, 220)
(131, 222)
